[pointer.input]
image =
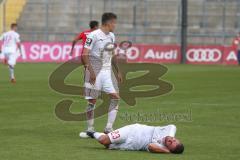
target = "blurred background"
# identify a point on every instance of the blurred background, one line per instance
(140, 21)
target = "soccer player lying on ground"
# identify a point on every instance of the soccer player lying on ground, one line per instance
(139, 137)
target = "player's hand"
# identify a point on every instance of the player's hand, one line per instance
(92, 78)
(120, 78)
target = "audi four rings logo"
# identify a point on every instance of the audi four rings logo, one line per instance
(204, 55)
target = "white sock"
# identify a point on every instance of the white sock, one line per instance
(97, 135)
(112, 114)
(90, 116)
(11, 70)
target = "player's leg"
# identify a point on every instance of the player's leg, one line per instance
(90, 117)
(113, 138)
(110, 86)
(112, 112)
(11, 64)
(90, 114)
(102, 138)
(91, 94)
(3, 58)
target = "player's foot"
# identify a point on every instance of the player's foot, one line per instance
(13, 80)
(90, 134)
(108, 130)
(84, 134)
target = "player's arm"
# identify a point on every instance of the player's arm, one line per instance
(86, 52)
(78, 38)
(88, 65)
(156, 148)
(18, 42)
(19, 47)
(115, 65)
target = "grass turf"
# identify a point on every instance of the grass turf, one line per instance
(30, 130)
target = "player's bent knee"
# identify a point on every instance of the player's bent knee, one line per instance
(114, 103)
(104, 140)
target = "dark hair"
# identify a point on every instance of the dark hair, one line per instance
(13, 25)
(179, 149)
(108, 17)
(93, 24)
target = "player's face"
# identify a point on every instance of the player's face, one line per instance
(171, 142)
(15, 28)
(112, 25)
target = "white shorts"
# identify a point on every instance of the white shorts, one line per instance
(122, 138)
(11, 58)
(105, 81)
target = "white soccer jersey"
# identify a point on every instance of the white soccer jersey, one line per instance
(96, 43)
(131, 137)
(10, 40)
(161, 132)
(138, 137)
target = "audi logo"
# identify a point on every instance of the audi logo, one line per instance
(204, 55)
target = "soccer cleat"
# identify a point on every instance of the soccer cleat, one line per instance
(13, 80)
(90, 134)
(84, 134)
(108, 130)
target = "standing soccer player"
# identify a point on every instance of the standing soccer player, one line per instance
(83, 36)
(11, 45)
(98, 58)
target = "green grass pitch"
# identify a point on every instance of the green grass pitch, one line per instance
(30, 130)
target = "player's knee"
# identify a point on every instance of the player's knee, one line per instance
(11, 66)
(114, 103)
(104, 140)
(114, 96)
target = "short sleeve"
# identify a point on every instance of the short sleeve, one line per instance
(79, 36)
(91, 39)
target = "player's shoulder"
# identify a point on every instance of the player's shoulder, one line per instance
(14, 33)
(86, 32)
(112, 34)
(94, 34)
